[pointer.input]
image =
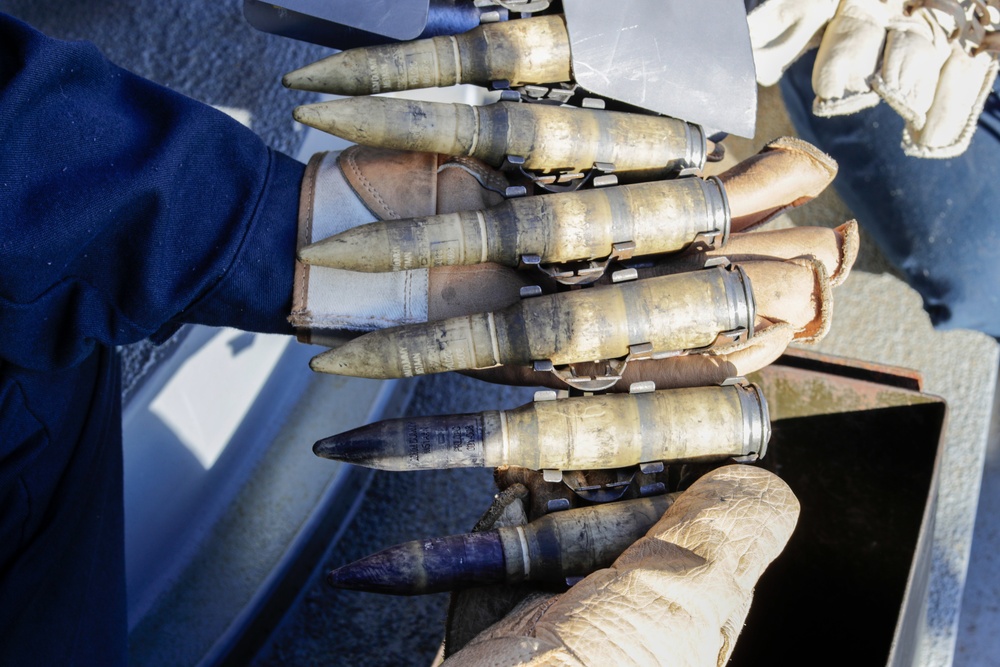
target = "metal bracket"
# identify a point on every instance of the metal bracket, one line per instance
(718, 153)
(523, 6)
(612, 372)
(567, 180)
(604, 486)
(557, 505)
(733, 336)
(654, 489)
(583, 272)
(615, 368)
(560, 181)
(651, 468)
(709, 240)
(535, 94)
(552, 476)
(529, 291)
(564, 180)
(604, 493)
(625, 275)
(545, 395)
(568, 374)
(495, 16)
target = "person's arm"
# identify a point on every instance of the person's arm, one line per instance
(127, 209)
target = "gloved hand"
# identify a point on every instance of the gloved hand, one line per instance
(933, 61)
(680, 595)
(359, 185)
(682, 592)
(392, 184)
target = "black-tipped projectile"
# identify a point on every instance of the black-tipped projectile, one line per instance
(572, 543)
(583, 433)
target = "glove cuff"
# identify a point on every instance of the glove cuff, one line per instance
(334, 299)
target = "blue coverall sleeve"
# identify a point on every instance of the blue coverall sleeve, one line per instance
(127, 209)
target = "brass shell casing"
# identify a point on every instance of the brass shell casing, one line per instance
(547, 137)
(585, 433)
(671, 314)
(616, 430)
(525, 51)
(658, 217)
(579, 541)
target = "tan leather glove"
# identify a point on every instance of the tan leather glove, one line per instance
(359, 185)
(680, 595)
(792, 272)
(933, 61)
(364, 183)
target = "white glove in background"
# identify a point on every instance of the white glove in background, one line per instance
(933, 61)
(782, 30)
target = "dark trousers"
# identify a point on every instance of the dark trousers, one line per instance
(937, 221)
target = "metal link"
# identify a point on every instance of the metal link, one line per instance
(528, 6)
(977, 22)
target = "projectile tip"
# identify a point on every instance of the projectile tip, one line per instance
(316, 364)
(368, 356)
(336, 447)
(303, 78)
(306, 115)
(350, 577)
(305, 254)
(321, 448)
(342, 73)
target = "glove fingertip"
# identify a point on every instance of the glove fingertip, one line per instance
(850, 245)
(846, 105)
(898, 100)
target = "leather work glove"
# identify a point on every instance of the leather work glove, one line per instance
(792, 270)
(680, 595)
(800, 265)
(360, 185)
(932, 61)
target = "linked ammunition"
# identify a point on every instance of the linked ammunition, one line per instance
(655, 217)
(571, 543)
(660, 316)
(546, 137)
(585, 433)
(525, 51)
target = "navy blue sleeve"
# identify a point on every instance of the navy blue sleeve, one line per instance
(127, 209)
